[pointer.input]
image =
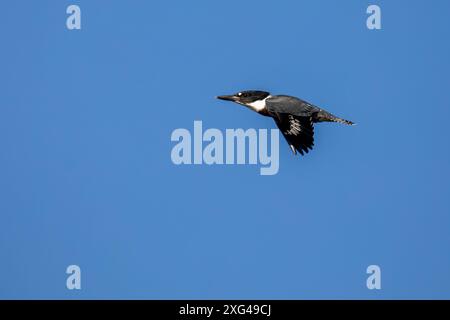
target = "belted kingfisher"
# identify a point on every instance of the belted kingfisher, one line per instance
(294, 117)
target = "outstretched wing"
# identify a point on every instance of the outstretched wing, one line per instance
(297, 130)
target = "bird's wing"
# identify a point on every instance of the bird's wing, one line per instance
(298, 131)
(291, 105)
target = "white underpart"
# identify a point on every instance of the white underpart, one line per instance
(258, 105)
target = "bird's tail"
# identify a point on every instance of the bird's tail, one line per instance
(323, 115)
(340, 120)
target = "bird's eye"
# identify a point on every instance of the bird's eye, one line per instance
(239, 94)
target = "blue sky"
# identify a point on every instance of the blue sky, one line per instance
(87, 179)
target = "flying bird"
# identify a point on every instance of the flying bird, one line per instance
(294, 117)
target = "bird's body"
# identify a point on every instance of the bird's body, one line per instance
(294, 117)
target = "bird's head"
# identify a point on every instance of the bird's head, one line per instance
(252, 98)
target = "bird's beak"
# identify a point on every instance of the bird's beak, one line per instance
(228, 98)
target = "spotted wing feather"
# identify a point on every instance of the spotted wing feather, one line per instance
(297, 130)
